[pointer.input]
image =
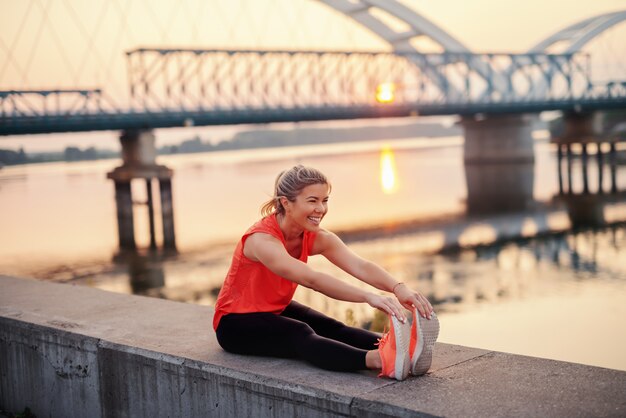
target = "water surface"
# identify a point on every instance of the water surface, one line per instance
(555, 292)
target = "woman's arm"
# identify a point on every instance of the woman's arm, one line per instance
(267, 250)
(338, 253)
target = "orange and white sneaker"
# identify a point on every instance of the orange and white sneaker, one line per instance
(394, 350)
(424, 333)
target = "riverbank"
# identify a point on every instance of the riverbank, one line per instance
(74, 351)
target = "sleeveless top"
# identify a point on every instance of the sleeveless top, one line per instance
(249, 285)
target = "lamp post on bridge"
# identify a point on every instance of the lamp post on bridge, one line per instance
(139, 162)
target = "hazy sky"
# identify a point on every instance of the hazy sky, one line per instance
(82, 42)
(509, 25)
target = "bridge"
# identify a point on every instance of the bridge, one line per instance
(182, 87)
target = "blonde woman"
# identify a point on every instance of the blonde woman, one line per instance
(255, 313)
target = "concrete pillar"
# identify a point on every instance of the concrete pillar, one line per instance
(585, 210)
(125, 225)
(499, 188)
(498, 139)
(138, 148)
(559, 161)
(585, 164)
(613, 165)
(586, 207)
(139, 162)
(167, 213)
(150, 213)
(569, 169)
(600, 163)
(578, 127)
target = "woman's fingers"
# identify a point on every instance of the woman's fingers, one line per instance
(410, 298)
(408, 305)
(393, 307)
(420, 308)
(420, 302)
(388, 305)
(396, 309)
(427, 304)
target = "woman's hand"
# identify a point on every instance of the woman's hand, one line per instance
(386, 304)
(409, 298)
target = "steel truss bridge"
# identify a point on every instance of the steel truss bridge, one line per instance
(183, 87)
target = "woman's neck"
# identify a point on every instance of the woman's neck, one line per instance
(289, 229)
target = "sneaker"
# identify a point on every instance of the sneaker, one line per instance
(394, 350)
(424, 333)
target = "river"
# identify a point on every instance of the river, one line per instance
(494, 247)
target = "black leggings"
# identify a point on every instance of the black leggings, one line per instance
(298, 332)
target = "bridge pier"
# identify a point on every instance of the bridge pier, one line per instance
(585, 202)
(498, 139)
(578, 127)
(499, 163)
(499, 188)
(139, 162)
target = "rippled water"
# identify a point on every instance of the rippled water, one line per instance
(491, 246)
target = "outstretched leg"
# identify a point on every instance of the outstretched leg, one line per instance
(331, 328)
(268, 334)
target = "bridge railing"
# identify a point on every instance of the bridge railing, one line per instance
(197, 79)
(58, 102)
(609, 90)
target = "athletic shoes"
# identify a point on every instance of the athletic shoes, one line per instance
(394, 350)
(424, 333)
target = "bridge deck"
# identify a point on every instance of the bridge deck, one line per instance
(21, 125)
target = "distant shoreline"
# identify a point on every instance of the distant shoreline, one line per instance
(252, 139)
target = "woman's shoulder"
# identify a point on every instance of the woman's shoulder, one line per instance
(267, 224)
(324, 240)
(259, 236)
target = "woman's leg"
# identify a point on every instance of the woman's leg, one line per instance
(268, 334)
(331, 328)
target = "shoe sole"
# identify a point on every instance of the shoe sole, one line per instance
(419, 346)
(428, 331)
(402, 333)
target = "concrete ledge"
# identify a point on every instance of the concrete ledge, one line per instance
(68, 351)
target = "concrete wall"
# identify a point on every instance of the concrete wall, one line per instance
(50, 371)
(69, 351)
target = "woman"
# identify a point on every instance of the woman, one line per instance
(255, 314)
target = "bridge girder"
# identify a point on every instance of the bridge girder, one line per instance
(361, 12)
(579, 34)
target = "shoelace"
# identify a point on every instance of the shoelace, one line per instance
(383, 340)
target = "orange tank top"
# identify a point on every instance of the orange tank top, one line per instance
(249, 285)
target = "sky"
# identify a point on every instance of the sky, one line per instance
(81, 43)
(509, 25)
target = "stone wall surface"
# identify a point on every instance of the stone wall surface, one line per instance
(69, 351)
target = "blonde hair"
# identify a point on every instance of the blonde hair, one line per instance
(289, 184)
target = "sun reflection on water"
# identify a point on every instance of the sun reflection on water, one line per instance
(388, 171)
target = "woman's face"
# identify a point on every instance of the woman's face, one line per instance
(309, 207)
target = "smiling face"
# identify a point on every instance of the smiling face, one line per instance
(308, 209)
